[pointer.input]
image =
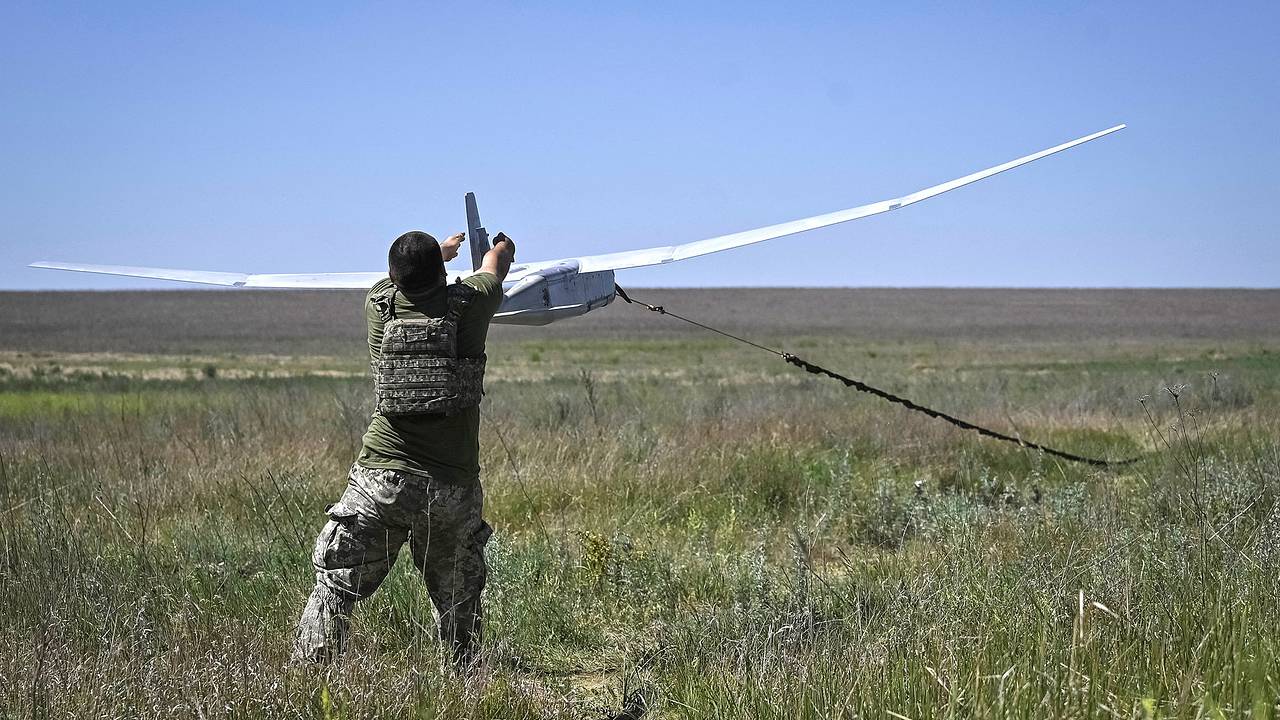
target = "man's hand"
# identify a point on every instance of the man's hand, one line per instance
(509, 248)
(449, 248)
(498, 260)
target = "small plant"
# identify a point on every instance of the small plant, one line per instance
(589, 386)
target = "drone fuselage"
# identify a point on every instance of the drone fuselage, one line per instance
(553, 293)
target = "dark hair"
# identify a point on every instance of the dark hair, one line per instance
(415, 263)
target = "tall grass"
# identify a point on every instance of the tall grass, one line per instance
(728, 539)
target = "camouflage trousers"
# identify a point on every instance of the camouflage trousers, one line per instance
(377, 513)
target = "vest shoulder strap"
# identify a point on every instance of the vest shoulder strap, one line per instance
(460, 296)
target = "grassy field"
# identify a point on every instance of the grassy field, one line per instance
(675, 514)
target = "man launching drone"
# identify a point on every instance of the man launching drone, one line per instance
(418, 469)
(417, 477)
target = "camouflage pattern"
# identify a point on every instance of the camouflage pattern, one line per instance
(419, 371)
(377, 513)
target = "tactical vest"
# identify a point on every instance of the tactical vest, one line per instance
(420, 371)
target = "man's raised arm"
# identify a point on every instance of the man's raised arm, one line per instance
(498, 259)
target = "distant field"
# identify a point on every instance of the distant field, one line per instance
(676, 512)
(329, 322)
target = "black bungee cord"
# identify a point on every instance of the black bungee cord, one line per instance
(883, 394)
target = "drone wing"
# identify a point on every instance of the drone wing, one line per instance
(672, 253)
(587, 263)
(229, 279)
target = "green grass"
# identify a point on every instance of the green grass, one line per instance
(733, 536)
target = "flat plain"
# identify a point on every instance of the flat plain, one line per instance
(679, 517)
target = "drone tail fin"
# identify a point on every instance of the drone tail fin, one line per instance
(476, 234)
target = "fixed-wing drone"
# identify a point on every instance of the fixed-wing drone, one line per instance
(538, 293)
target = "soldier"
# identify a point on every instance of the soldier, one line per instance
(417, 477)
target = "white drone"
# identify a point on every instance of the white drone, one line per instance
(538, 293)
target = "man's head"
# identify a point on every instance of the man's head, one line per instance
(415, 263)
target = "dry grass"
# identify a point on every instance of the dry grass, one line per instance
(677, 514)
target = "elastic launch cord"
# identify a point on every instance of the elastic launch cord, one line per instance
(663, 311)
(883, 394)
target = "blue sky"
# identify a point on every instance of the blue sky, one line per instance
(268, 137)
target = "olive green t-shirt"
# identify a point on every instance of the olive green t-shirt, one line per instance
(445, 447)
